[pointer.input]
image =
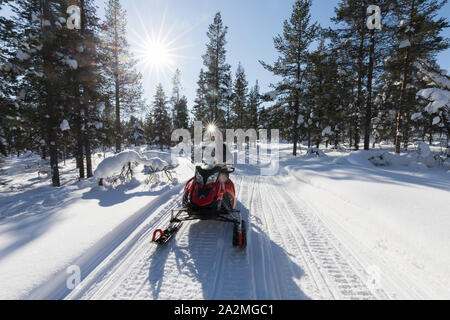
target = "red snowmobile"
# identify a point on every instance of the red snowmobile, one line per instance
(209, 195)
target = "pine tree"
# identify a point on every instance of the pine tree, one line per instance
(124, 82)
(7, 88)
(88, 78)
(217, 72)
(200, 109)
(419, 37)
(240, 97)
(298, 34)
(161, 119)
(179, 104)
(352, 13)
(253, 106)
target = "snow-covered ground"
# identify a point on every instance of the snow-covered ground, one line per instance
(43, 230)
(330, 227)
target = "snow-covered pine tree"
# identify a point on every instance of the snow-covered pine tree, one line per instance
(239, 106)
(437, 99)
(86, 85)
(125, 87)
(217, 72)
(161, 119)
(419, 37)
(8, 110)
(38, 68)
(292, 46)
(322, 111)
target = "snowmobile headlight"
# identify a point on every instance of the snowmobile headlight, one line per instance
(198, 177)
(212, 178)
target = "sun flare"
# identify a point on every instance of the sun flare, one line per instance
(157, 54)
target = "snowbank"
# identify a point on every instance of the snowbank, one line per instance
(113, 165)
(422, 158)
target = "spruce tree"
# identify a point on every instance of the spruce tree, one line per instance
(200, 109)
(240, 97)
(179, 104)
(253, 107)
(161, 119)
(217, 72)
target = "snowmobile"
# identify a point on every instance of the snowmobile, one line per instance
(209, 195)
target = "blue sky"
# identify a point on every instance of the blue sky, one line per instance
(252, 24)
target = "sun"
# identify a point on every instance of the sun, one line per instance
(156, 48)
(157, 54)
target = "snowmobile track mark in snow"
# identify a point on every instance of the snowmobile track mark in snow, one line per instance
(343, 277)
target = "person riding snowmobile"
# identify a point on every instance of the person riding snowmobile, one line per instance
(210, 157)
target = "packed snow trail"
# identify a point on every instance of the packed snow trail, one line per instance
(291, 254)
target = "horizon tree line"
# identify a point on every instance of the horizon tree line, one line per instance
(69, 93)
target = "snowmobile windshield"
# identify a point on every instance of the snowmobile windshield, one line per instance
(212, 178)
(207, 176)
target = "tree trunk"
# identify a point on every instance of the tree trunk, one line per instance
(49, 98)
(359, 81)
(368, 115)
(87, 147)
(116, 84)
(295, 133)
(406, 68)
(77, 130)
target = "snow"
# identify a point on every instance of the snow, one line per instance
(113, 165)
(436, 120)
(98, 125)
(437, 79)
(22, 55)
(64, 125)
(326, 131)
(423, 149)
(397, 214)
(439, 98)
(334, 227)
(72, 63)
(101, 107)
(404, 44)
(44, 230)
(416, 116)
